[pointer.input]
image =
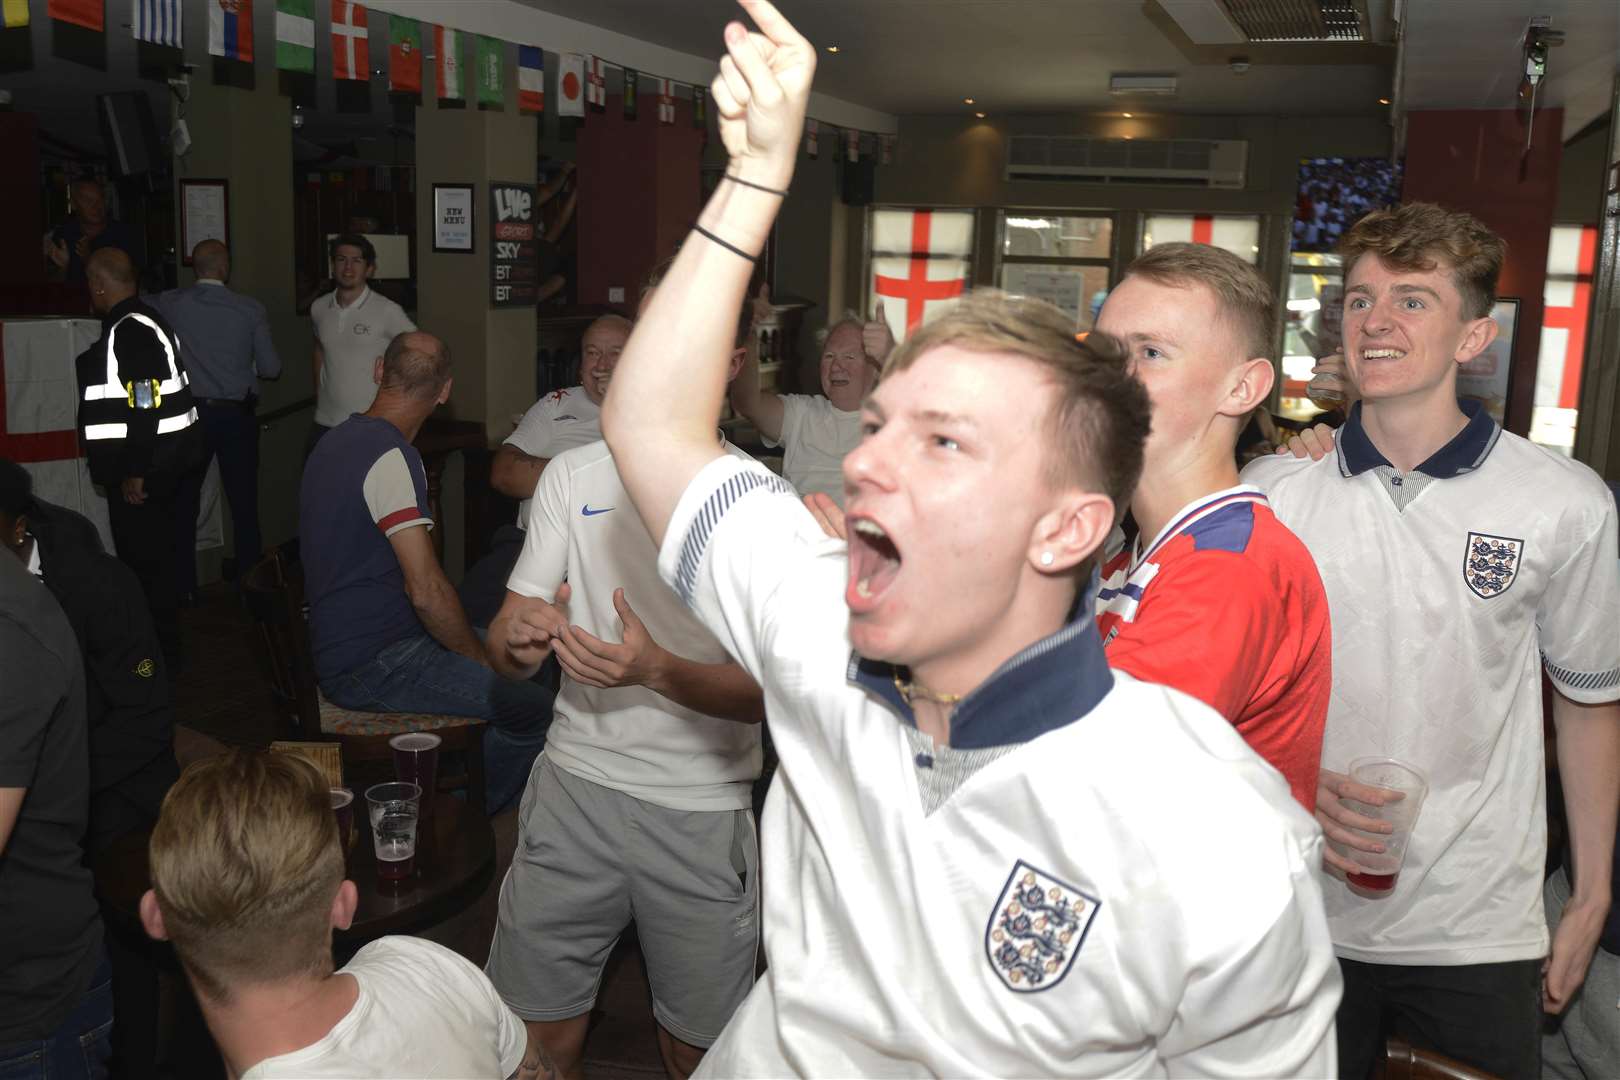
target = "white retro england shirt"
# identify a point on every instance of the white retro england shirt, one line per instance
(1097, 877)
(1450, 588)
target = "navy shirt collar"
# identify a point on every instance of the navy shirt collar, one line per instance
(1047, 685)
(1464, 453)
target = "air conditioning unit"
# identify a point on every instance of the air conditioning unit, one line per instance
(1210, 163)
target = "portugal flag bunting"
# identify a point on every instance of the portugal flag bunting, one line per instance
(447, 63)
(230, 29)
(85, 13)
(404, 55)
(295, 35)
(531, 79)
(351, 44)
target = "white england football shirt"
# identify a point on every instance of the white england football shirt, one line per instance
(582, 528)
(561, 420)
(815, 438)
(352, 339)
(1096, 878)
(1449, 588)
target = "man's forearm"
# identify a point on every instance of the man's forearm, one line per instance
(722, 690)
(1589, 767)
(514, 473)
(441, 613)
(500, 656)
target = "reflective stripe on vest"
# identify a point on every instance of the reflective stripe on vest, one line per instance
(114, 388)
(167, 426)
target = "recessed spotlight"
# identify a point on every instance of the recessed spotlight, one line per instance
(980, 115)
(967, 101)
(1126, 115)
(1127, 138)
(1383, 101)
(832, 48)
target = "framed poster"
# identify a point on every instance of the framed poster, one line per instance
(1487, 377)
(453, 218)
(205, 214)
(514, 253)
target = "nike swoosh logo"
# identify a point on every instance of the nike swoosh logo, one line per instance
(588, 512)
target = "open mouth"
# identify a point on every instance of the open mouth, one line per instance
(1382, 354)
(874, 562)
(838, 380)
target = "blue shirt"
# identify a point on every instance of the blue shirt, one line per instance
(224, 339)
(362, 484)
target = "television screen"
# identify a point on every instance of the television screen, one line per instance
(1335, 192)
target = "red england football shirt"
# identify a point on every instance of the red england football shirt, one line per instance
(1226, 605)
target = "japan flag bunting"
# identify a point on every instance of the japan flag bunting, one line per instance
(295, 35)
(85, 13)
(158, 21)
(351, 46)
(571, 85)
(447, 63)
(404, 55)
(596, 84)
(666, 101)
(531, 79)
(230, 29)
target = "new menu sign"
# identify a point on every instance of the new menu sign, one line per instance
(513, 251)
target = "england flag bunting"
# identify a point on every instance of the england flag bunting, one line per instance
(230, 29)
(351, 47)
(158, 21)
(571, 85)
(595, 84)
(666, 101)
(447, 63)
(812, 137)
(531, 79)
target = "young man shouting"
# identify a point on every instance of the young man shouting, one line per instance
(1213, 597)
(975, 864)
(1460, 563)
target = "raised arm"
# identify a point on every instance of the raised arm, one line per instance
(762, 410)
(266, 361)
(661, 411)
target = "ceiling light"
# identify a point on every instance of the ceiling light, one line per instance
(832, 48)
(1142, 84)
(1383, 101)
(1126, 115)
(980, 115)
(967, 101)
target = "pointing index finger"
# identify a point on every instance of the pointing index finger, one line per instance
(771, 22)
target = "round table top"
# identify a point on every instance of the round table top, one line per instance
(455, 857)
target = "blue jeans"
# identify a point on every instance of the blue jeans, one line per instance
(420, 675)
(79, 1047)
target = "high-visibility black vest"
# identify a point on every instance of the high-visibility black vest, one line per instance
(109, 403)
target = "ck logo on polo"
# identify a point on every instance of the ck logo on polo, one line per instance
(1036, 929)
(361, 328)
(1491, 563)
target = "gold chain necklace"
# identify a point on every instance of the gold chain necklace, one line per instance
(910, 690)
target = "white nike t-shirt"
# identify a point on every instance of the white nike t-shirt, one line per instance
(423, 1011)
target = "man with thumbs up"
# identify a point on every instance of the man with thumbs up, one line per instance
(816, 431)
(642, 802)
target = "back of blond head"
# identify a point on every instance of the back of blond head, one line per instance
(245, 863)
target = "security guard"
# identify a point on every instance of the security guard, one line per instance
(140, 432)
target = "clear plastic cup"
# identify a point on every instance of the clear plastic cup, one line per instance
(1384, 868)
(343, 807)
(395, 808)
(416, 761)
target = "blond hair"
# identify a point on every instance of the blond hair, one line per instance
(1099, 418)
(1419, 237)
(1246, 302)
(245, 862)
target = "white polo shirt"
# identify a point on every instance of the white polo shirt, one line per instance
(815, 438)
(561, 420)
(582, 528)
(1097, 877)
(1449, 588)
(352, 338)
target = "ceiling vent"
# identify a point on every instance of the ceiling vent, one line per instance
(1225, 22)
(1207, 163)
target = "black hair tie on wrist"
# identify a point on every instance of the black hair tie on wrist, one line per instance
(779, 193)
(733, 248)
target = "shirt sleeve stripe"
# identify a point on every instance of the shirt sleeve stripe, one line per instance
(703, 523)
(388, 522)
(1583, 680)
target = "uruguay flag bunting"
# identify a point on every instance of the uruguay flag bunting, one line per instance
(351, 45)
(230, 29)
(531, 79)
(85, 13)
(158, 21)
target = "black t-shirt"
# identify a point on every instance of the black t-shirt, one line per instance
(50, 929)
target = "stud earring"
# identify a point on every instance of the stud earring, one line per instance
(1047, 558)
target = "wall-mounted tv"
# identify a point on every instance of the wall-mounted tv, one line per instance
(1335, 192)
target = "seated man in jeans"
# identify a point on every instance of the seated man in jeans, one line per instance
(388, 632)
(247, 882)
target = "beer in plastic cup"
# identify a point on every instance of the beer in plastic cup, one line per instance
(1384, 868)
(394, 810)
(416, 761)
(343, 807)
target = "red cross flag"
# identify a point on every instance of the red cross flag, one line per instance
(351, 50)
(666, 101)
(920, 258)
(1240, 235)
(571, 85)
(595, 83)
(1571, 261)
